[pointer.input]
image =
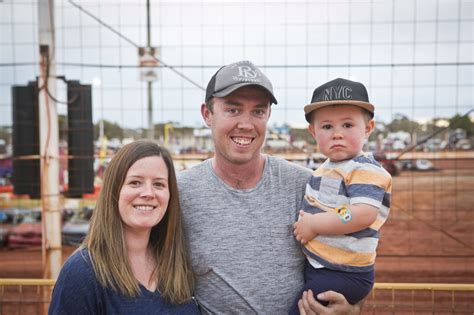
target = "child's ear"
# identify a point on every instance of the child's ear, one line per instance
(369, 127)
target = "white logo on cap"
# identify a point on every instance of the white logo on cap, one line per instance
(341, 92)
(247, 72)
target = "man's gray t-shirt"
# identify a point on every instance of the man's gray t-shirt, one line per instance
(241, 242)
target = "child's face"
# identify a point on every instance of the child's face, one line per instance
(340, 131)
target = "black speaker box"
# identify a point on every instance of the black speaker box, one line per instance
(25, 141)
(80, 140)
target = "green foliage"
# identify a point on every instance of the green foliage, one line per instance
(402, 123)
(111, 130)
(63, 127)
(114, 130)
(134, 133)
(399, 123)
(5, 133)
(297, 134)
(462, 122)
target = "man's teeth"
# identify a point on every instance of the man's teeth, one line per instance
(144, 208)
(242, 141)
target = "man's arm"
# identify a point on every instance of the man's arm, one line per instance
(337, 304)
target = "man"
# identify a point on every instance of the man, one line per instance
(239, 207)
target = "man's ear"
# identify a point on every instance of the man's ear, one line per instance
(369, 127)
(311, 130)
(206, 114)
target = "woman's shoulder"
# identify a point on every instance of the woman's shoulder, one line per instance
(79, 258)
(75, 291)
(78, 266)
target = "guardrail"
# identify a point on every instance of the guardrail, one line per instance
(25, 296)
(416, 298)
(32, 296)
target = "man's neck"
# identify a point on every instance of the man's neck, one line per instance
(239, 176)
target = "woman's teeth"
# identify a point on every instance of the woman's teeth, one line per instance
(144, 208)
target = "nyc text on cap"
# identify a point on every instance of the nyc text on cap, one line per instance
(339, 92)
(236, 75)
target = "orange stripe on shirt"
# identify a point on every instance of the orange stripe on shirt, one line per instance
(377, 224)
(340, 256)
(368, 176)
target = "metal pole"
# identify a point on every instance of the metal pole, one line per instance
(151, 127)
(148, 36)
(49, 143)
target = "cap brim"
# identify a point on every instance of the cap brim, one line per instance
(237, 86)
(313, 106)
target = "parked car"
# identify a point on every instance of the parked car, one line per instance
(25, 234)
(75, 229)
(3, 234)
(20, 227)
(392, 166)
(418, 165)
(4, 227)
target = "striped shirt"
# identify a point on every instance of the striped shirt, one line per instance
(361, 180)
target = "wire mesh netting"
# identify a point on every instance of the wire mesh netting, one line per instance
(415, 58)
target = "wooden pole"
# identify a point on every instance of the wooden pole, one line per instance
(49, 143)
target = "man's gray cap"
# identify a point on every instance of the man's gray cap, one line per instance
(236, 75)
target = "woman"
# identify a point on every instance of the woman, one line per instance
(133, 260)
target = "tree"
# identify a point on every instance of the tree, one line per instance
(62, 125)
(462, 122)
(111, 130)
(403, 123)
(5, 134)
(297, 134)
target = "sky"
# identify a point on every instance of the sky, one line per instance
(415, 57)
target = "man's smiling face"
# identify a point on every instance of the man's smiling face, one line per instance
(239, 122)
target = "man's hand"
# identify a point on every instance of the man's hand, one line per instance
(337, 304)
(304, 230)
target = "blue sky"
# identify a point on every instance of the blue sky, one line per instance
(415, 57)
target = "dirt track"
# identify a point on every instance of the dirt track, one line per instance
(429, 236)
(24, 263)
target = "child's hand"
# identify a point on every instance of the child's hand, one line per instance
(304, 231)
